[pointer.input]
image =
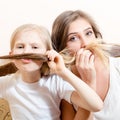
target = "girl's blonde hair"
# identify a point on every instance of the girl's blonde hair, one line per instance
(44, 34)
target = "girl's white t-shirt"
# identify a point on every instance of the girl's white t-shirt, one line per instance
(36, 101)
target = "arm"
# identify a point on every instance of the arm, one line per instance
(84, 96)
(67, 111)
(86, 70)
(83, 114)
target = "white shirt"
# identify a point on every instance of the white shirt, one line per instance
(36, 101)
(111, 109)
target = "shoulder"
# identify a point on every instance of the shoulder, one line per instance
(6, 82)
(53, 78)
(115, 64)
(115, 61)
(8, 79)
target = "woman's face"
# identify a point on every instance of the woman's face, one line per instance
(80, 34)
(28, 42)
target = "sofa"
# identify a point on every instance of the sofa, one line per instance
(4, 110)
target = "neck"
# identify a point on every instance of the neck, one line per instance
(103, 76)
(31, 77)
(101, 66)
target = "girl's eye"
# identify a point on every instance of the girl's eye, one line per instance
(35, 47)
(20, 47)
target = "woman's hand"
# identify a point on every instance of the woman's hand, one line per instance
(85, 66)
(56, 62)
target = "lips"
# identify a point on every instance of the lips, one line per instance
(26, 60)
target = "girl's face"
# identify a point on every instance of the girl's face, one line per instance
(80, 34)
(28, 42)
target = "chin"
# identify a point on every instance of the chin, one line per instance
(29, 69)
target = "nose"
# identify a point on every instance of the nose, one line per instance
(84, 42)
(27, 50)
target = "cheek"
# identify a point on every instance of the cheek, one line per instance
(17, 52)
(73, 47)
(91, 40)
(17, 63)
(38, 63)
(32, 66)
(39, 51)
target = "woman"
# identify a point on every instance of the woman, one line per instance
(75, 30)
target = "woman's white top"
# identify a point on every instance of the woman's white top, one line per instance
(111, 109)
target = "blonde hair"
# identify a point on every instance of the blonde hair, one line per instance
(44, 34)
(96, 47)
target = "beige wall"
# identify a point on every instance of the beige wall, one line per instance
(16, 12)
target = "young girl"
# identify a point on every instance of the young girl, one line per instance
(35, 96)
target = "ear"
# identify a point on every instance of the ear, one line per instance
(11, 53)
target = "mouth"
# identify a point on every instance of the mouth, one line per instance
(26, 61)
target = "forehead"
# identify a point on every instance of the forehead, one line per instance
(79, 25)
(28, 35)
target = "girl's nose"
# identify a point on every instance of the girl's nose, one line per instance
(27, 50)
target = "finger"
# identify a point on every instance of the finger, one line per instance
(78, 56)
(86, 57)
(92, 59)
(50, 54)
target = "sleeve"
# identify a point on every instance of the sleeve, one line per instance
(4, 83)
(65, 90)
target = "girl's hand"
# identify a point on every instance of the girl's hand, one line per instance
(85, 66)
(56, 62)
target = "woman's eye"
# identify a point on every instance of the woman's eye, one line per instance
(89, 33)
(73, 38)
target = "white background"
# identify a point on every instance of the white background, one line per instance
(14, 13)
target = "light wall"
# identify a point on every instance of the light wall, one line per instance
(43, 12)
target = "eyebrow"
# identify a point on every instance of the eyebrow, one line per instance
(71, 34)
(89, 28)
